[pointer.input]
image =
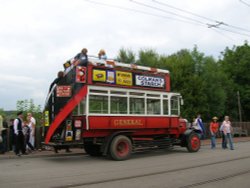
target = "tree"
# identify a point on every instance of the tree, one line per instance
(186, 79)
(2, 112)
(29, 106)
(148, 57)
(126, 56)
(235, 64)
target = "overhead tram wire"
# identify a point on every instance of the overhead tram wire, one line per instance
(217, 22)
(187, 19)
(182, 10)
(200, 16)
(168, 12)
(143, 12)
(235, 32)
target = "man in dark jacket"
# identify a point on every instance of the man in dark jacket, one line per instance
(18, 129)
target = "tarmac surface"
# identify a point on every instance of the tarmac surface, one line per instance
(80, 151)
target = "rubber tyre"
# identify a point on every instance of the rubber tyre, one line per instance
(193, 142)
(120, 148)
(93, 149)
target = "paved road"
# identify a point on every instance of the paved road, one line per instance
(177, 168)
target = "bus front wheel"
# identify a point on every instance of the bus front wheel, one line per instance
(193, 142)
(120, 148)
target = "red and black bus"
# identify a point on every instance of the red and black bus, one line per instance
(114, 109)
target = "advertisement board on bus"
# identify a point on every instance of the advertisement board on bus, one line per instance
(124, 78)
(149, 81)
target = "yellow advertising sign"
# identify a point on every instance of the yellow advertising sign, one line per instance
(46, 118)
(99, 75)
(124, 78)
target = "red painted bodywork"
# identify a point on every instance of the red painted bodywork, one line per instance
(132, 122)
(66, 110)
(102, 126)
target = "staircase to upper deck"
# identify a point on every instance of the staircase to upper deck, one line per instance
(60, 107)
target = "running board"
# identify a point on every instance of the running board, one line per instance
(66, 110)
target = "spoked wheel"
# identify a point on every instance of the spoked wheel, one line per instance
(193, 142)
(93, 149)
(120, 148)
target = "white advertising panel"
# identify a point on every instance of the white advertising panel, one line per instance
(149, 81)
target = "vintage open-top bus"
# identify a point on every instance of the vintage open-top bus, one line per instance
(114, 109)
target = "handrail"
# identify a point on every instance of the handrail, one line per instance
(113, 63)
(49, 94)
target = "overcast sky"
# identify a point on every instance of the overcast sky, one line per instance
(38, 36)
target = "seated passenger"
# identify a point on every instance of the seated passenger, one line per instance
(102, 55)
(82, 57)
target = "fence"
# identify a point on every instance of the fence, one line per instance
(239, 129)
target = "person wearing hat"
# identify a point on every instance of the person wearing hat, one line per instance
(18, 130)
(213, 127)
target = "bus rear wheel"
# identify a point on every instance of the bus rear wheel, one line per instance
(93, 149)
(120, 148)
(193, 142)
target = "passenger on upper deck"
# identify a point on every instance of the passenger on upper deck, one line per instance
(60, 75)
(102, 55)
(82, 57)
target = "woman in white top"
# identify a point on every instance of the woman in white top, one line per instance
(227, 128)
(32, 124)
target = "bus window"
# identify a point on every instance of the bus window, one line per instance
(118, 92)
(137, 106)
(153, 95)
(98, 104)
(165, 107)
(80, 109)
(153, 106)
(174, 105)
(136, 94)
(118, 105)
(98, 91)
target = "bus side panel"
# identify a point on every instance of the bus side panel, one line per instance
(99, 122)
(119, 122)
(175, 122)
(158, 122)
(123, 122)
